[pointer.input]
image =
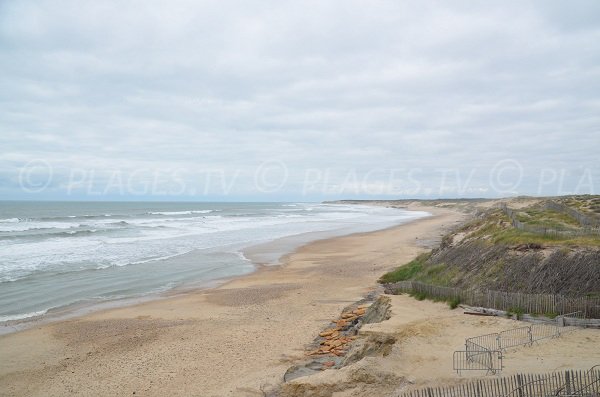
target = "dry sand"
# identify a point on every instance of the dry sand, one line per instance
(229, 341)
(239, 338)
(427, 334)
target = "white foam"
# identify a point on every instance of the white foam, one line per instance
(181, 212)
(148, 242)
(9, 220)
(23, 316)
(22, 226)
(144, 240)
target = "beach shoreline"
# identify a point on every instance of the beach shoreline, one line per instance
(242, 314)
(261, 254)
(245, 257)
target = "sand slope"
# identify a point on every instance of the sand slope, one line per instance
(427, 334)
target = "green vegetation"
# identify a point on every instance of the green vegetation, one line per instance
(406, 272)
(587, 204)
(548, 218)
(420, 295)
(496, 228)
(438, 274)
(515, 311)
(491, 253)
(453, 303)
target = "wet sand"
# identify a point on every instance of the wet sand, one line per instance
(233, 340)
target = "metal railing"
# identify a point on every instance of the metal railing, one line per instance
(488, 341)
(574, 319)
(521, 336)
(543, 331)
(477, 360)
(515, 337)
(484, 352)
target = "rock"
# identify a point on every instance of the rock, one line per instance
(329, 364)
(327, 332)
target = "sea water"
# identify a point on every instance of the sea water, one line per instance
(56, 254)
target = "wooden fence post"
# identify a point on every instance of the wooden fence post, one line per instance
(520, 385)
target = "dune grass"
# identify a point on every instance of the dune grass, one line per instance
(406, 272)
(497, 229)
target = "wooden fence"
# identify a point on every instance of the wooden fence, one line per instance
(545, 304)
(568, 383)
(583, 219)
(546, 231)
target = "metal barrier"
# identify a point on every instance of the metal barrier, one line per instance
(574, 319)
(524, 336)
(484, 352)
(477, 360)
(488, 341)
(473, 351)
(543, 331)
(515, 337)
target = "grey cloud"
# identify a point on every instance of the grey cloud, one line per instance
(323, 85)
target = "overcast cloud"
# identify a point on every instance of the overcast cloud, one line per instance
(298, 100)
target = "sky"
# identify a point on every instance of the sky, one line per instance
(298, 100)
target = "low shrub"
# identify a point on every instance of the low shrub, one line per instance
(517, 311)
(453, 303)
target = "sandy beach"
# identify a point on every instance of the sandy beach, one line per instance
(233, 340)
(284, 199)
(425, 336)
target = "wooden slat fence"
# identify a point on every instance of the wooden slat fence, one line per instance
(574, 383)
(586, 230)
(506, 301)
(583, 219)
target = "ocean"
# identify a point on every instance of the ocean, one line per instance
(59, 254)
